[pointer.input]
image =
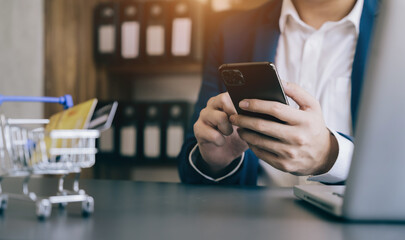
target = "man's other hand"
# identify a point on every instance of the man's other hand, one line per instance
(218, 142)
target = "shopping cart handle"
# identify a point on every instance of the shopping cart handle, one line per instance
(66, 100)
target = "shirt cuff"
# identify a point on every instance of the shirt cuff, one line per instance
(193, 158)
(340, 169)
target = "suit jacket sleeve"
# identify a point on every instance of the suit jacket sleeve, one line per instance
(212, 86)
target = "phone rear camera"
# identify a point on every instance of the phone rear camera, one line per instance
(238, 78)
(233, 77)
(227, 76)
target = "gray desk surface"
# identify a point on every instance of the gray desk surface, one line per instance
(133, 210)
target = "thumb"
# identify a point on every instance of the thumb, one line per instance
(300, 96)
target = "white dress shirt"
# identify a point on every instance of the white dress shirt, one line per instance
(320, 61)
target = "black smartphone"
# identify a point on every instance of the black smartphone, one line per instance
(253, 80)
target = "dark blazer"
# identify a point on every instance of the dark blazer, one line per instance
(253, 36)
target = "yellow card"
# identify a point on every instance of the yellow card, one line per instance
(77, 117)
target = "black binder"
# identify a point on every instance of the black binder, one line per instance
(152, 132)
(181, 25)
(128, 140)
(106, 32)
(131, 40)
(156, 30)
(175, 126)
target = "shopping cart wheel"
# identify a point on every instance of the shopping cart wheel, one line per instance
(88, 207)
(63, 205)
(3, 203)
(44, 208)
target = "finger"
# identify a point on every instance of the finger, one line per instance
(300, 96)
(205, 133)
(222, 102)
(267, 156)
(264, 142)
(217, 119)
(269, 128)
(276, 109)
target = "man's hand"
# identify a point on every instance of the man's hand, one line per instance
(303, 145)
(218, 142)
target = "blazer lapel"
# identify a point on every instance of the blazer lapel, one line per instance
(266, 43)
(268, 33)
(367, 21)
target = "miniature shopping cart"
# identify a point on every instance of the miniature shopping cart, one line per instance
(27, 150)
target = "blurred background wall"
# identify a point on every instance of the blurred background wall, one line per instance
(22, 54)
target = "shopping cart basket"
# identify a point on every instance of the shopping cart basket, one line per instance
(27, 150)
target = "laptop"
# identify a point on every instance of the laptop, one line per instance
(375, 187)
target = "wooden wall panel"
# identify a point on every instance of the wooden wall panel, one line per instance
(69, 65)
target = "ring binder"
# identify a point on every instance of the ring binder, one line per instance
(176, 115)
(105, 30)
(156, 29)
(131, 25)
(128, 131)
(182, 25)
(152, 132)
